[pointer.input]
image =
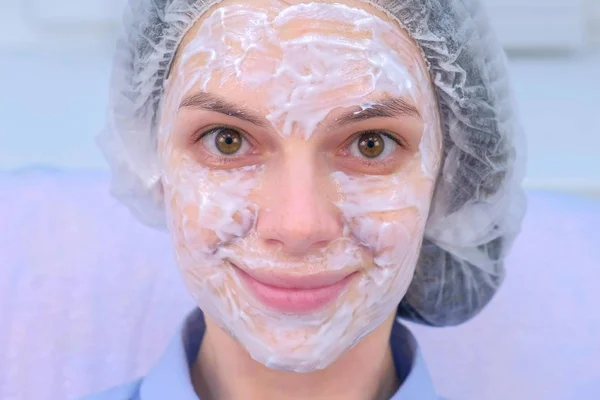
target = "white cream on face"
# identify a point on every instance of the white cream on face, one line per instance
(301, 65)
(298, 77)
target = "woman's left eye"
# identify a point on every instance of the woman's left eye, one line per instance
(373, 145)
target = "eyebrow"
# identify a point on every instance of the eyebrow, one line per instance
(390, 107)
(212, 102)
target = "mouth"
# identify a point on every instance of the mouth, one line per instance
(293, 294)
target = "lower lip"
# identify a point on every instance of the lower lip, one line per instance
(294, 301)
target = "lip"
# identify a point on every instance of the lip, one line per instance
(295, 294)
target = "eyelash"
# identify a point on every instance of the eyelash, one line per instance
(375, 161)
(221, 159)
(224, 159)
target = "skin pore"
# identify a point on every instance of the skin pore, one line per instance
(306, 179)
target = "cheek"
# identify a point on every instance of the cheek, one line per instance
(390, 236)
(186, 226)
(387, 214)
(208, 208)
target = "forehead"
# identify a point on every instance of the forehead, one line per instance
(272, 36)
(299, 58)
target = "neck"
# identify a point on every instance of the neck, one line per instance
(224, 370)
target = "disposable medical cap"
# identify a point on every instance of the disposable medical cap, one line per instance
(478, 202)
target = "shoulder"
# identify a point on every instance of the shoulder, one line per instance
(128, 391)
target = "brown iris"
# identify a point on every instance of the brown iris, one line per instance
(371, 144)
(228, 141)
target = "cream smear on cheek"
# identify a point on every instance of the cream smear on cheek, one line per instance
(212, 213)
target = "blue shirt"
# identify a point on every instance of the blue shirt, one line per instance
(170, 377)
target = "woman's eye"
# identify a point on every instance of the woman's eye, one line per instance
(373, 145)
(224, 141)
(228, 142)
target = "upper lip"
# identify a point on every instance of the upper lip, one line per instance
(292, 281)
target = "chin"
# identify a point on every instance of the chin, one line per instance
(294, 343)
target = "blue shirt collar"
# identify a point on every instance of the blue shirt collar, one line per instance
(170, 377)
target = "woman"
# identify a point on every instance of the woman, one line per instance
(323, 168)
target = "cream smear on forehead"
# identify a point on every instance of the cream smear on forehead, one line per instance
(213, 213)
(306, 66)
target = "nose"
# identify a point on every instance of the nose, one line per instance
(298, 214)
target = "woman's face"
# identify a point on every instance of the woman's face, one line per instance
(299, 144)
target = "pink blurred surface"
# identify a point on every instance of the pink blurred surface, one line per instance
(90, 297)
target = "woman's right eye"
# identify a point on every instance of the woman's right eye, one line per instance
(223, 142)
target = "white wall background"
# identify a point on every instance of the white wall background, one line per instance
(56, 61)
(59, 24)
(523, 24)
(592, 10)
(539, 24)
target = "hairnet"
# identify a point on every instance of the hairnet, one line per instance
(478, 202)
